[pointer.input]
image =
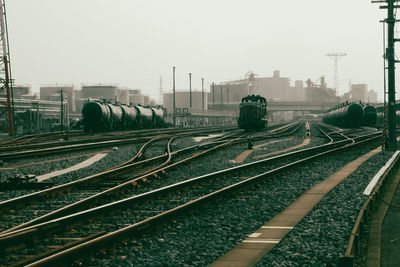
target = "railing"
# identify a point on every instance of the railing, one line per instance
(366, 212)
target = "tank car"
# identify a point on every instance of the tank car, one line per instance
(253, 113)
(158, 117)
(369, 115)
(380, 119)
(346, 115)
(129, 117)
(145, 117)
(96, 116)
(99, 116)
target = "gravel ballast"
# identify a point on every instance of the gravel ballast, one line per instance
(203, 237)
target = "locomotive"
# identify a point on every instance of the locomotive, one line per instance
(346, 114)
(100, 116)
(253, 113)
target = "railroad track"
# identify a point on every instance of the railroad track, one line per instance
(41, 149)
(209, 188)
(100, 188)
(335, 133)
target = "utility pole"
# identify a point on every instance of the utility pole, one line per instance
(190, 89)
(173, 95)
(335, 57)
(227, 94)
(213, 89)
(202, 94)
(390, 57)
(220, 89)
(62, 109)
(161, 92)
(4, 67)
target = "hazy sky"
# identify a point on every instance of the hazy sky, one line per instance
(133, 42)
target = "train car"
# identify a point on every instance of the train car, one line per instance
(369, 116)
(96, 116)
(129, 117)
(346, 114)
(158, 117)
(145, 116)
(380, 119)
(99, 116)
(253, 113)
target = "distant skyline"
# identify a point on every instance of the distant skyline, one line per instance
(133, 42)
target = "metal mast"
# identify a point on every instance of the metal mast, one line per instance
(335, 57)
(160, 101)
(390, 57)
(173, 95)
(4, 68)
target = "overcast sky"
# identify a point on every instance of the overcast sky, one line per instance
(133, 42)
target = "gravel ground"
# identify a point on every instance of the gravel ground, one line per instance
(323, 234)
(199, 239)
(114, 157)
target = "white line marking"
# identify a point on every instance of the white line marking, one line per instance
(255, 235)
(78, 166)
(376, 178)
(266, 241)
(201, 138)
(277, 227)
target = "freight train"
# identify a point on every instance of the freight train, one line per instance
(253, 113)
(346, 115)
(369, 116)
(381, 122)
(100, 116)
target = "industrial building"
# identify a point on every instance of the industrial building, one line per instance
(182, 100)
(275, 88)
(53, 93)
(359, 92)
(372, 96)
(320, 93)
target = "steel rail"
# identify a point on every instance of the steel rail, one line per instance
(84, 145)
(94, 199)
(80, 205)
(107, 136)
(313, 151)
(149, 223)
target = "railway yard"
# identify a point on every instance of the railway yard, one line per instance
(287, 195)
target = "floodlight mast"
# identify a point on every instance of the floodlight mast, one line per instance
(336, 57)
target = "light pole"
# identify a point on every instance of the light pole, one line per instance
(220, 89)
(190, 89)
(202, 94)
(173, 95)
(213, 93)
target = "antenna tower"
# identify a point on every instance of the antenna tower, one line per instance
(4, 68)
(335, 57)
